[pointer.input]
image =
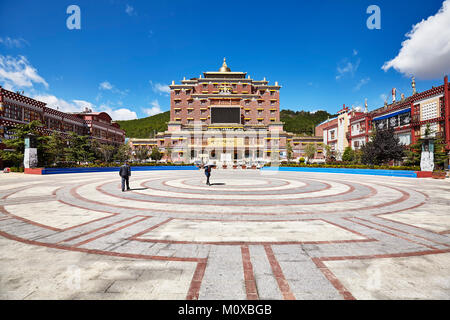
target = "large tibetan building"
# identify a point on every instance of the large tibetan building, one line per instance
(227, 117)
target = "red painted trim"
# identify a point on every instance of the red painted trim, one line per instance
(424, 174)
(33, 170)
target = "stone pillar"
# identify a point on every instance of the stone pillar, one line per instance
(30, 159)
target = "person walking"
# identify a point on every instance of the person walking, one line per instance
(208, 173)
(125, 173)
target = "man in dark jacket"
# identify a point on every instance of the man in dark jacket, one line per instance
(208, 173)
(125, 173)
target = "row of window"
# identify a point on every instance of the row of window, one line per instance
(190, 102)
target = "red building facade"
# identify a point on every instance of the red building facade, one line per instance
(17, 109)
(408, 116)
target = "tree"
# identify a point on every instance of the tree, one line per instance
(330, 155)
(310, 151)
(169, 154)
(17, 143)
(79, 148)
(141, 153)
(349, 154)
(440, 155)
(122, 153)
(155, 154)
(382, 148)
(289, 152)
(55, 147)
(103, 152)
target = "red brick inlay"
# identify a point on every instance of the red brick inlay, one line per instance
(390, 233)
(97, 229)
(332, 278)
(196, 282)
(109, 232)
(408, 233)
(249, 277)
(279, 276)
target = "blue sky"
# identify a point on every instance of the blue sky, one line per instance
(127, 52)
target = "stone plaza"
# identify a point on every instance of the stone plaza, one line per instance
(251, 235)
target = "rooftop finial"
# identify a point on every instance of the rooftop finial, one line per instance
(413, 85)
(224, 67)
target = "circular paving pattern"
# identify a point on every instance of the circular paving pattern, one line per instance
(270, 227)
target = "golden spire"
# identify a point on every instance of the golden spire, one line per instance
(224, 67)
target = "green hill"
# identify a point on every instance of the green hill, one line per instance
(145, 127)
(299, 122)
(303, 122)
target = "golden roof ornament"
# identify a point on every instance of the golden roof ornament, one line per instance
(224, 67)
(413, 85)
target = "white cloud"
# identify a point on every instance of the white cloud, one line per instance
(18, 73)
(119, 114)
(130, 10)
(84, 104)
(426, 52)
(61, 104)
(80, 105)
(105, 85)
(355, 52)
(347, 67)
(13, 43)
(160, 88)
(362, 82)
(155, 109)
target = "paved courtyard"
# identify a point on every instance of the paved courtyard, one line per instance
(251, 235)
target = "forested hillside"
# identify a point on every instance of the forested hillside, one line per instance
(145, 127)
(302, 122)
(299, 122)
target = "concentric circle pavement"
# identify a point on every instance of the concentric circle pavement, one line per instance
(251, 235)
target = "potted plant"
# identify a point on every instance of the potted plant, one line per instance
(244, 166)
(234, 166)
(224, 166)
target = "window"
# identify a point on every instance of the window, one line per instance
(272, 103)
(260, 102)
(205, 86)
(247, 102)
(29, 115)
(13, 112)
